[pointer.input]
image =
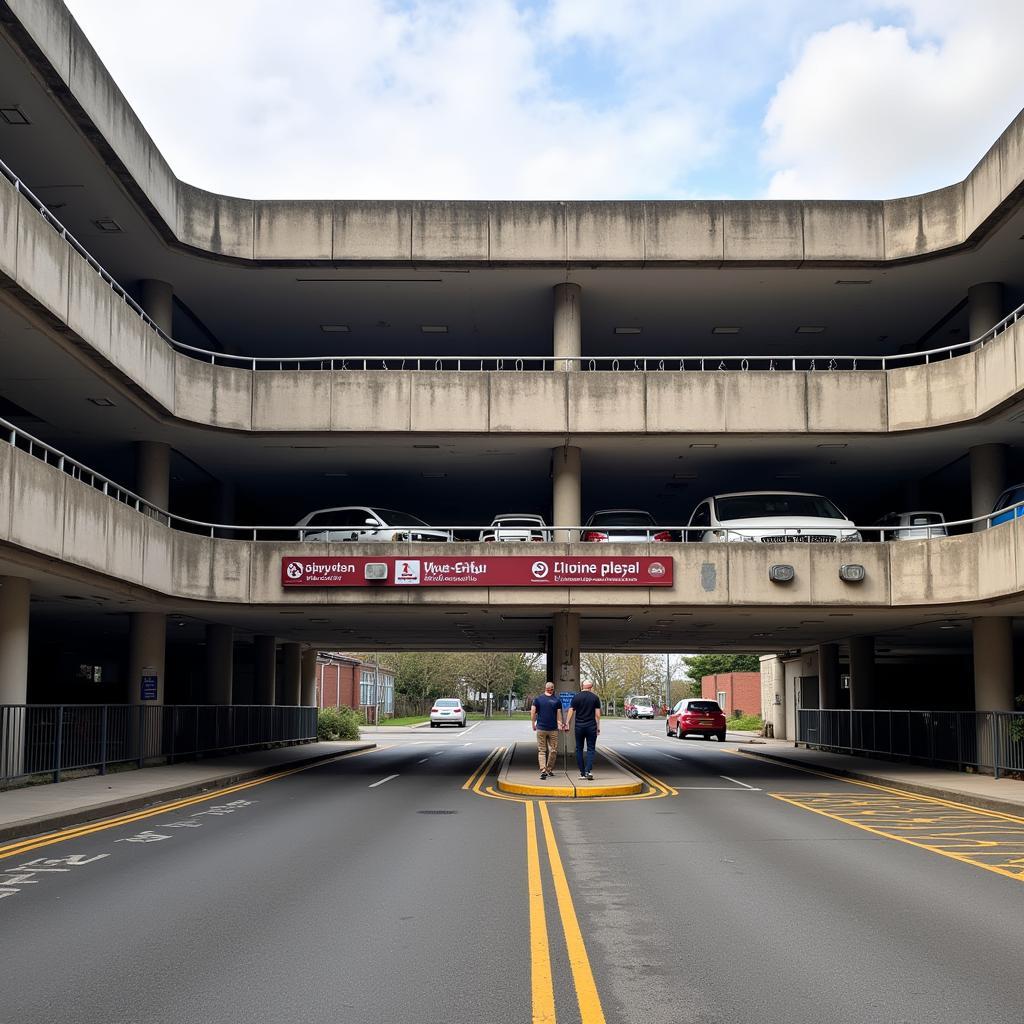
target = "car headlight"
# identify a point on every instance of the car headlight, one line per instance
(849, 536)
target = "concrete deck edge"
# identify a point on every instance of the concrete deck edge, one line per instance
(111, 808)
(957, 796)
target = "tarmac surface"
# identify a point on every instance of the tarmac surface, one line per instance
(400, 884)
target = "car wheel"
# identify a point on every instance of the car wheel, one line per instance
(433, 725)
(668, 731)
(721, 736)
(679, 732)
(462, 724)
(707, 735)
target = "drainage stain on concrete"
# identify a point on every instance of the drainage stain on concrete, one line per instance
(709, 576)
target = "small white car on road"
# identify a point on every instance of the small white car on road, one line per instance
(447, 711)
(365, 524)
(770, 517)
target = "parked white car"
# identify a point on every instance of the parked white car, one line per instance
(366, 525)
(770, 517)
(910, 526)
(623, 526)
(512, 528)
(447, 711)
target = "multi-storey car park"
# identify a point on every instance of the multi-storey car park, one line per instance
(186, 375)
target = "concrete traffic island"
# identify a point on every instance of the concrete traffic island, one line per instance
(520, 774)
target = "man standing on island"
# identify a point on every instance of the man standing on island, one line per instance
(585, 710)
(546, 716)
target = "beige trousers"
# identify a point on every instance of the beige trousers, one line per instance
(547, 749)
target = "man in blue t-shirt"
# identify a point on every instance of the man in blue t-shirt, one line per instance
(546, 716)
(585, 711)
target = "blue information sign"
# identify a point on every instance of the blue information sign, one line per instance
(565, 698)
(148, 687)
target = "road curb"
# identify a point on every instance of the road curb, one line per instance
(955, 796)
(571, 789)
(121, 805)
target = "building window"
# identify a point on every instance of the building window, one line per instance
(721, 699)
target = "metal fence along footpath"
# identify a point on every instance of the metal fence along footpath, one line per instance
(50, 739)
(986, 740)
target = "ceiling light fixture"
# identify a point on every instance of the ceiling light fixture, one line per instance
(852, 280)
(433, 476)
(334, 328)
(810, 329)
(628, 330)
(14, 116)
(103, 403)
(704, 444)
(433, 328)
(725, 330)
(107, 225)
(832, 444)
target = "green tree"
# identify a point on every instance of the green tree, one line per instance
(699, 665)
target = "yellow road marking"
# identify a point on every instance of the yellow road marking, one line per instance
(480, 772)
(663, 787)
(77, 832)
(889, 818)
(1002, 815)
(542, 989)
(582, 975)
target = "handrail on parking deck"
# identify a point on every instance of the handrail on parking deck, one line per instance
(558, 534)
(517, 363)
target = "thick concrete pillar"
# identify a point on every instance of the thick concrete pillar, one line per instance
(291, 691)
(828, 676)
(157, 299)
(568, 326)
(988, 479)
(984, 307)
(776, 672)
(993, 664)
(862, 672)
(14, 604)
(153, 472)
(265, 657)
(565, 671)
(565, 495)
(308, 690)
(147, 645)
(220, 663)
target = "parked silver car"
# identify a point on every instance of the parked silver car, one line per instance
(623, 526)
(365, 524)
(910, 526)
(511, 528)
(770, 517)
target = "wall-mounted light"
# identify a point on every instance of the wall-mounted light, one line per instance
(781, 573)
(852, 573)
(375, 571)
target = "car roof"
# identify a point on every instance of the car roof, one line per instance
(747, 494)
(518, 515)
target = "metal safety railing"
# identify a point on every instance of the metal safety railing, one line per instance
(516, 363)
(52, 739)
(986, 740)
(561, 534)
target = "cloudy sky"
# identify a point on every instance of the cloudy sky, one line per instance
(566, 99)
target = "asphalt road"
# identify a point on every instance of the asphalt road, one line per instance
(383, 888)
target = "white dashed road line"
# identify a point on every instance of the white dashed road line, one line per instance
(374, 785)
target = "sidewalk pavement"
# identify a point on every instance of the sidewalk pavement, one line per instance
(983, 791)
(34, 809)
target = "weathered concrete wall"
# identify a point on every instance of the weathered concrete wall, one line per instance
(44, 511)
(541, 232)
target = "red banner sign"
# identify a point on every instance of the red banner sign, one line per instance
(476, 571)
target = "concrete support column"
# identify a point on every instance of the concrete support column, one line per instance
(220, 663)
(984, 307)
(14, 635)
(988, 479)
(157, 299)
(153, 472)
(777, 672)
(568, 326)
(147, 646)
(565, 493)
(862, 672)
(291, 691)
(14, 603)
(308, 689)
(265, 657)
(828, 676)
(993, 664)
(565, 672)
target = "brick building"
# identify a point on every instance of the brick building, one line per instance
(734, 690)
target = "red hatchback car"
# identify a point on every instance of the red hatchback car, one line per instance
(697, 716)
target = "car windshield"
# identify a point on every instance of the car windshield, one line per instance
(393, 518)
(761, 506)
(925, 518)
(709, 707)
(621, 519)
(448, 703)
(516, 522)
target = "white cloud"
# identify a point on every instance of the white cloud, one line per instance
(873, 111)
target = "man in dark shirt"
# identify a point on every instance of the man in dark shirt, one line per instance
(585, 713)
(546, 716)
